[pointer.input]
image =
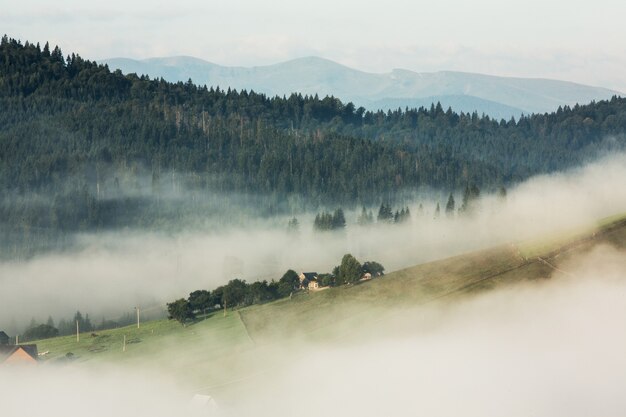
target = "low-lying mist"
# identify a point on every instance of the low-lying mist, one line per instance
(115, 271)
(74, 391)
(545, 349)
(550, 348)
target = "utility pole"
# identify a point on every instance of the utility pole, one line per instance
(137, 309)
(77, 332)
(17, 339)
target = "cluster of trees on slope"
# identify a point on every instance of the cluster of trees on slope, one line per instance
(74, 131)
(235, 294)
(238, 293)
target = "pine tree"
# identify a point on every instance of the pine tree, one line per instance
(78, 318)
(338, 220)
(87, 324)
(450, 206)
(365, 218)
(384, 214)
(470, 199)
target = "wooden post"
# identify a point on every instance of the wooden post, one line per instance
(77, 332)
(17, 339)
(137, 309)
(124, 345)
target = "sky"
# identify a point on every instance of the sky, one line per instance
(571, 40)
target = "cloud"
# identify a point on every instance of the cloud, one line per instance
(575, 43)
(546, 349)
(114, 271)
(67, 391)
(543, 349)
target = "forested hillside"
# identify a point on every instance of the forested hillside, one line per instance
(82, 147)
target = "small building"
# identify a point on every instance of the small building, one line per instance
(4, 338)
(366, 276)
(306, 278)
(10, 355)
(313, 285)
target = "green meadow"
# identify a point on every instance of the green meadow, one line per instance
(223, 350)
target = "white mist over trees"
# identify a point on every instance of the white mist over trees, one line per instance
(116, 271)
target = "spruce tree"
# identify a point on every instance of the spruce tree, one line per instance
(365, 217)
(338, 220)
(450, 206)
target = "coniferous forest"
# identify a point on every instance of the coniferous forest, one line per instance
(84, 148)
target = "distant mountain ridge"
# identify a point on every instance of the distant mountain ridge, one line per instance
(499, 97)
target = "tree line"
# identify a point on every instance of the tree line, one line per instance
(84, 148)
(64, 327)
(327, 221)
(238, 293)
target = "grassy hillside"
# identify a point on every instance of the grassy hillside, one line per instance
(339, 308)
(222, 350)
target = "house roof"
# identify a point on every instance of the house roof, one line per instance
(8, 350)
(310, 275)
(31, 350)
(3, 335)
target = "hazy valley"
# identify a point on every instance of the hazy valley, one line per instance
(183, 238)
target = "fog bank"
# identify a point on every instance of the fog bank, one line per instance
(67, 391)
(549, 349)
(119, 270)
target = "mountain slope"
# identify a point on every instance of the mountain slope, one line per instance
(89, 139)
(339, 309)
(500, 97)
(220, 351)
(348, 308)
